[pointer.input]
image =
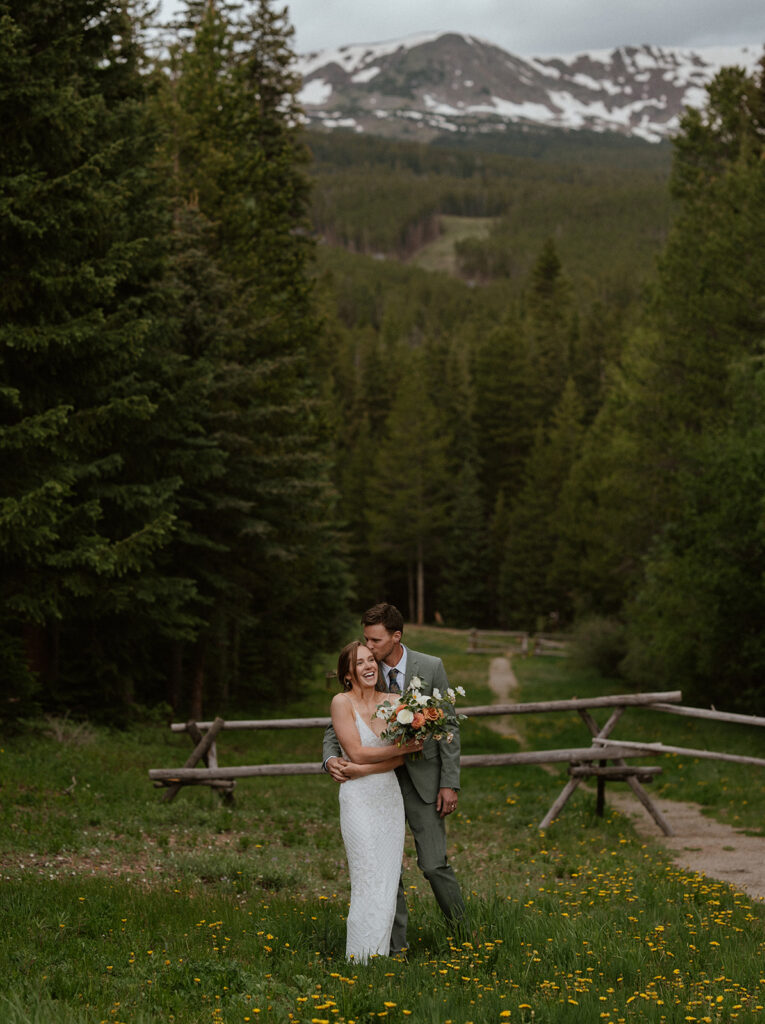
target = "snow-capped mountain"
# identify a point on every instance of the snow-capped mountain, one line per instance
(429, 84)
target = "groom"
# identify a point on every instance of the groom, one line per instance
(430, 784)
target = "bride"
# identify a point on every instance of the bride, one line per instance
(371, 806)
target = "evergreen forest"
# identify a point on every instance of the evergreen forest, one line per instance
(254, 379)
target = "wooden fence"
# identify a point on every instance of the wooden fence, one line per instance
(494, 641)
(584, 762)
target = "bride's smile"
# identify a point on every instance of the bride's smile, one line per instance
(366, 667)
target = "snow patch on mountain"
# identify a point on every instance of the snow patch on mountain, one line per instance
(449, 82)
(315, 93)
(356, 56)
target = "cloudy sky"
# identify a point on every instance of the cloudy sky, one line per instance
(533, 26)
(529, 26)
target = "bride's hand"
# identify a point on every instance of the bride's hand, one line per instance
(414, 747)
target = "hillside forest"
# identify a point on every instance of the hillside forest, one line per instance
(253, 379)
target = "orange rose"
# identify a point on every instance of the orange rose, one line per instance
(418, 721)
(433, 714)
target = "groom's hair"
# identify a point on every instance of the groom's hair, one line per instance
(386, 615)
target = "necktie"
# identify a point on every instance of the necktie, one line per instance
(393, 686)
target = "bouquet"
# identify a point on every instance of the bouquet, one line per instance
(415, 715)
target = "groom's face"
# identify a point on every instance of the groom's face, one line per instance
(380, 642)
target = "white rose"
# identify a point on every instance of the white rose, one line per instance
(405, 716)
(421, 699)
(416, 683)
(436, 693)
(451, 694)
(461, 691)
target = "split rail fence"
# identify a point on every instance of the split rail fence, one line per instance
(605, 760)
(494, 641)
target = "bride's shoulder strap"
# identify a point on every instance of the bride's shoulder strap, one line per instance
(342, 700)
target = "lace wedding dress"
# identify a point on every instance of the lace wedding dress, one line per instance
(372, 826)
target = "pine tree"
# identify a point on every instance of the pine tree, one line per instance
(82, 515)
(671, 388)
(695, 621)
(463, 595)
(504, 409)
(267, 521)
(499, 532)
(549, 325)
(408, 491)
(527, 592)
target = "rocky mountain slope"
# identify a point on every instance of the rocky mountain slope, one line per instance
(426, 85)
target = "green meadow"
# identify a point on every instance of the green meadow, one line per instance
(440, 254)
(117, 907)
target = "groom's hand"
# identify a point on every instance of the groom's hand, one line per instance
(446, 801)
(336, 768)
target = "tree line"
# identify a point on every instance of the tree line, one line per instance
(217, 438)
(383, 197)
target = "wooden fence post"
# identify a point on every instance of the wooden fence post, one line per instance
(200, 751)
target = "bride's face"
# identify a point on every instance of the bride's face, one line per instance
(366, 669)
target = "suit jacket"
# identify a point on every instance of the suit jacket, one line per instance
(439, 765)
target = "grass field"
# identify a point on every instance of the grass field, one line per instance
(440, 254)
(117, 907)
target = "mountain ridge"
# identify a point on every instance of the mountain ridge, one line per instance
(434, 84)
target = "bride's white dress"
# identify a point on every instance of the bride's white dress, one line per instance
(372, 825)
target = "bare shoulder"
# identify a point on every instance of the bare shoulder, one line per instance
(341, 702)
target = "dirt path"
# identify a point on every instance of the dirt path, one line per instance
(503, 684)
(699, 843)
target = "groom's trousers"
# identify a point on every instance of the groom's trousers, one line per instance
(429, 833)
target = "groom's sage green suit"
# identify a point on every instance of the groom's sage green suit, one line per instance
(420, 780)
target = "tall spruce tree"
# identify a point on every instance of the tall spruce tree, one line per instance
(696, 621)
(695, 613)
(82, 515)
(527, 583)
(409, 489)
(672, 385)
(549, 326)
(463, 596)
(504, 408)
(270, 570)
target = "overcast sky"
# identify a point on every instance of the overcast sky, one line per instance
(529, 27)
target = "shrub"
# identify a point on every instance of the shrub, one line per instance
(600, 643)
